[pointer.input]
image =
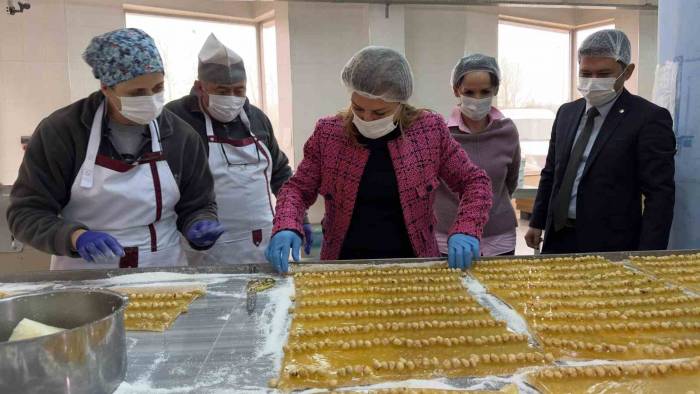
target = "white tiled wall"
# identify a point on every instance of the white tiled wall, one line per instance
(33, 76)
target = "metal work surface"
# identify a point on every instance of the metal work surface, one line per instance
(218, 346)
(215, 347)
(7, 243)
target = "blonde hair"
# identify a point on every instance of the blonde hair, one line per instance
(406, 116)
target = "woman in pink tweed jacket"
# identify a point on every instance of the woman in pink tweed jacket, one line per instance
(339, 156)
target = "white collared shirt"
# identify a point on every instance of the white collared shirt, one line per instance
(604, 110)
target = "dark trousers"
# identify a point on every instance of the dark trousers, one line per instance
(561, 242)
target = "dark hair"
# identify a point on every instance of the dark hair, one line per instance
(495, 83)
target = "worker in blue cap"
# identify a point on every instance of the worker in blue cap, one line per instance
(109, 180)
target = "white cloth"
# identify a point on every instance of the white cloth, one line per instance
(133, 203)
(604, 110)
(242, 171)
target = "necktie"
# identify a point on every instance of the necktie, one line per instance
(563, 198)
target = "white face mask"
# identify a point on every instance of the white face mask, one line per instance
(598, 91)
(376, 128)
(225, 108)
(475, 109)
(142, 109)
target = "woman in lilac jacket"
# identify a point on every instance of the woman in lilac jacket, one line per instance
(491, 141)
(377, 166)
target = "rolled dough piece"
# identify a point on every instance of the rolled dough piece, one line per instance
(27, 328)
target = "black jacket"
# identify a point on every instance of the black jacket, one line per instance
(53, 159)
(188, 109)
(626, 195)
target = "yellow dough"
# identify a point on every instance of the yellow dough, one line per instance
(590, 308)
(27, 329)
(681, 377)
(156, 308)
(683, 270)
(508, 389)
(370, 325)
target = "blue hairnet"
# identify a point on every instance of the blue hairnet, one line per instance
(610, 43)
(121, 55)
(379, 72)
(475, 62)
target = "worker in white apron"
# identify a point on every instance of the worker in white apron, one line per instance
(136, 207)
(241, 170)
(110, 180)
(244, 157)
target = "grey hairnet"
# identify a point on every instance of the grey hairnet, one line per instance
(379, 72)
(475, 62)
(610, 43)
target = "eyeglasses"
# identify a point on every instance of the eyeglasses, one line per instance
(228, 162)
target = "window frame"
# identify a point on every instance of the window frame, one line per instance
(157, 11)
(261, 59)
(572, 31)
(547, 26)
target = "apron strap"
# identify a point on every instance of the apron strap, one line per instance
(155, 135)
(86, 178)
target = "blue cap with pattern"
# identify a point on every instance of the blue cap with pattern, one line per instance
(121, 55)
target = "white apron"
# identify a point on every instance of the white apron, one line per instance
(242, 171)
(133, 203)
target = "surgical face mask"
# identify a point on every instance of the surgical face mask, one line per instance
(598, 91)
(142, 109)
(376, 128)
(475, 109)
(225, 108)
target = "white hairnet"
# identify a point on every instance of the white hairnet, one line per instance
(219, 64)
(610, 43)
(379, 72)
(475, 62)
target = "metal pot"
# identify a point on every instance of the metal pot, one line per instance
(88, 357)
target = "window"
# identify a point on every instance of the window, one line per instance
(535, 64)
(179, 40)
(536, 79)
(268, 43)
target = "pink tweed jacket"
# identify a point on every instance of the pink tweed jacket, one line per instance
(333, 166)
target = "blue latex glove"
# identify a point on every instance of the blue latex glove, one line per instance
(277, 252)
(308, 238)
(97, 247)
(462, 250)
(204, 233)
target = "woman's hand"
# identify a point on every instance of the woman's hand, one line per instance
(277, 252)
(462, 250)
(97, 247)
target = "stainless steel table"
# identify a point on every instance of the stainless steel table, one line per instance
(216, 346)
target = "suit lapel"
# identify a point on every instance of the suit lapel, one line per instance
(612, 121)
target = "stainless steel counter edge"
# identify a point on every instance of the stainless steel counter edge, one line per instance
(77, 275)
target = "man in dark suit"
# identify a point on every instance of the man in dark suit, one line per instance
(608, 183)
